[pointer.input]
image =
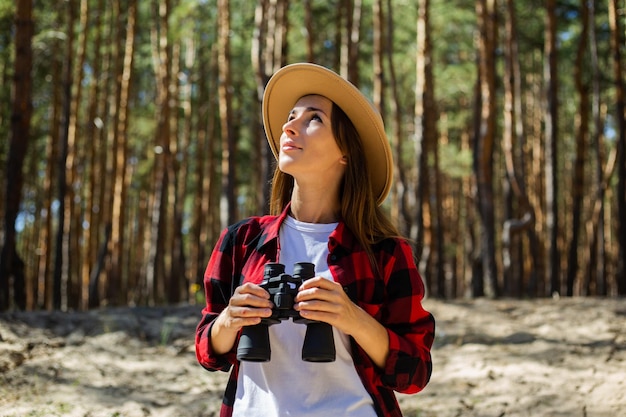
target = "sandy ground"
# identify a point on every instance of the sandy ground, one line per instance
(552, 358)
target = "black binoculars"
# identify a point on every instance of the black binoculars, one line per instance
(254, 342)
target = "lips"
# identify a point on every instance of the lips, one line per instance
(289, 145)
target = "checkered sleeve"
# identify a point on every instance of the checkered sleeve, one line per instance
(218, 287)
(410, 327)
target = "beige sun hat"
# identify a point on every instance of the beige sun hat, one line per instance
(294, 81)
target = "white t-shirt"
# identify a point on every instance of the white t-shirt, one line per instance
(287, 385)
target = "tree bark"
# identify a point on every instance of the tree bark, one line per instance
(484, 143)
(157, 262)
(620, 118)
(595, 253)
(91, 149)
(377, 59)
(228, 203)
(63, 257)
(400, 211)
(203, 172)
(262, 158)
(514, 143)
(119, 248)
(73, 252)
(103, 168)
(351, 11)
(551, 148)
(11, 264)
(176, 273)
(420, 120)
(426, 114)
(582, 132)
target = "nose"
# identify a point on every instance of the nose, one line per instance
(290, 126)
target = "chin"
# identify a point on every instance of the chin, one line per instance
(286, 165)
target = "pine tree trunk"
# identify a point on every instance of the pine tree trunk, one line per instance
(157, 257)
(617, 43)
(484, 143)
(400, 212)
(119, 248)
(551, 148)
(582, 132)
(92, 139)
(63, 257)
(420, 120)
(228, 207)
(11, 265)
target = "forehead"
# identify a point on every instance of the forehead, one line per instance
(315, 101)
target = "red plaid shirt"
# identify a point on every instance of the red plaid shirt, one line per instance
(394, 299)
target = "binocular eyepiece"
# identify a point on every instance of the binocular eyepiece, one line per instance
(254, 342)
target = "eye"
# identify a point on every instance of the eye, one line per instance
(316, 117)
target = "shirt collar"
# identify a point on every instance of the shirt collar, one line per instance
(341, 236)
(270, 233)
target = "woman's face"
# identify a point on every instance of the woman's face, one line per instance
(308, 150)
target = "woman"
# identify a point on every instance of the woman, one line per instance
(334, 170)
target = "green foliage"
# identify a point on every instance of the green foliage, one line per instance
(455, 162)
(7, 10)
(454, 66)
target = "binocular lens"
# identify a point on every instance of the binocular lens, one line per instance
(254, 344)
(319, 344)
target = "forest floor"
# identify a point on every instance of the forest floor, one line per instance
(537, 358)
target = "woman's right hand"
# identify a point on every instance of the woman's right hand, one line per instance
(248, 305)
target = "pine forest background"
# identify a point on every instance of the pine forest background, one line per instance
(133, 136)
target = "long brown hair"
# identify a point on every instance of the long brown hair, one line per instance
(359, 211)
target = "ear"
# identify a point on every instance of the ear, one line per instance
(344, 160)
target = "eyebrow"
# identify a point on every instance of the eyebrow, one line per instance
(309, 109)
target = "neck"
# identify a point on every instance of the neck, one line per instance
(315, 205)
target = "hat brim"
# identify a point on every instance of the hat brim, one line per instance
(294, 81)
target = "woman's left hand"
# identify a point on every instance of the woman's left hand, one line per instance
(324, 300)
